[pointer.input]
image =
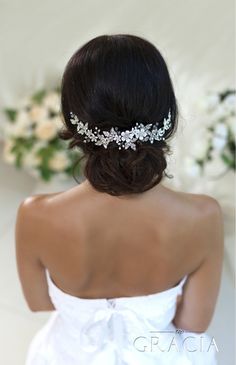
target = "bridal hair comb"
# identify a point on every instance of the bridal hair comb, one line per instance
(124, 139)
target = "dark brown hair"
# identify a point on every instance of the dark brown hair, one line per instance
(118, 80)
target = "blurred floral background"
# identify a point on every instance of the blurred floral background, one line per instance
(31, 139)
(197, 40)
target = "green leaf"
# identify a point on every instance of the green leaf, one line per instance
(46, 173)
(210, 129)
(46, 153)
(11, 114)
(18, 162)
(228, 161)
(29, 143)
(69, 170)
(200, 162)
(38, 96)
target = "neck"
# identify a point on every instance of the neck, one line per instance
(89, 187)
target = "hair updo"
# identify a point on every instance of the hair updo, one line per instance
(116, 81)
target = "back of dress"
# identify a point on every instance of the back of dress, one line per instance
(122, 331)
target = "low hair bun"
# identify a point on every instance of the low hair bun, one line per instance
(120, 172)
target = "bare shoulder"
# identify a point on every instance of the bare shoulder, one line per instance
(34, 204)
(208, 216)
(32, 213)
(208, 207)
(44, 210)
(206, 202)
(27, 209)
(203, 203)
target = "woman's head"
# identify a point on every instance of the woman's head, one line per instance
(117, 81)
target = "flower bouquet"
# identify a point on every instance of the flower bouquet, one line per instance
(31, 138)
(212, 152)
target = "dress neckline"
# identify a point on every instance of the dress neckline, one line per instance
(130, 298)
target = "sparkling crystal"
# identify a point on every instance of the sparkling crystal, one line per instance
(140, 132)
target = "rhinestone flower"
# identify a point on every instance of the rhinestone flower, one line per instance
(124, 139)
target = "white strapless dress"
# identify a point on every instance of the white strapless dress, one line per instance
(123, 331)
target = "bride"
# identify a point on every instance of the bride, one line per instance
(130, 269)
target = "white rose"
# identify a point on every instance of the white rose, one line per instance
(31, 160)
(38, 113)
(210, 102)
(59, 161)
(230, 102)
(220, 135)
(221, 130)
(58, 122)
(46, 130)
(22, 117)
(20, 128)
(52, 102)
(191, 167)
(220, 112)
(218, 142)
(8, 156)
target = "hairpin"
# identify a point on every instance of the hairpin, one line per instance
(124, 139)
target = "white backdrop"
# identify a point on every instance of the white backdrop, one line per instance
(38, 37)
(36, 40)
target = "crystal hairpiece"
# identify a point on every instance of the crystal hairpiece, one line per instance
(124, 139)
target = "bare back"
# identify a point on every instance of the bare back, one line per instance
(96, 245)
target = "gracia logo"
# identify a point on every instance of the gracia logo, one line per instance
(178, 341)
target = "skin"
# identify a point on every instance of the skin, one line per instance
(99, 246)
